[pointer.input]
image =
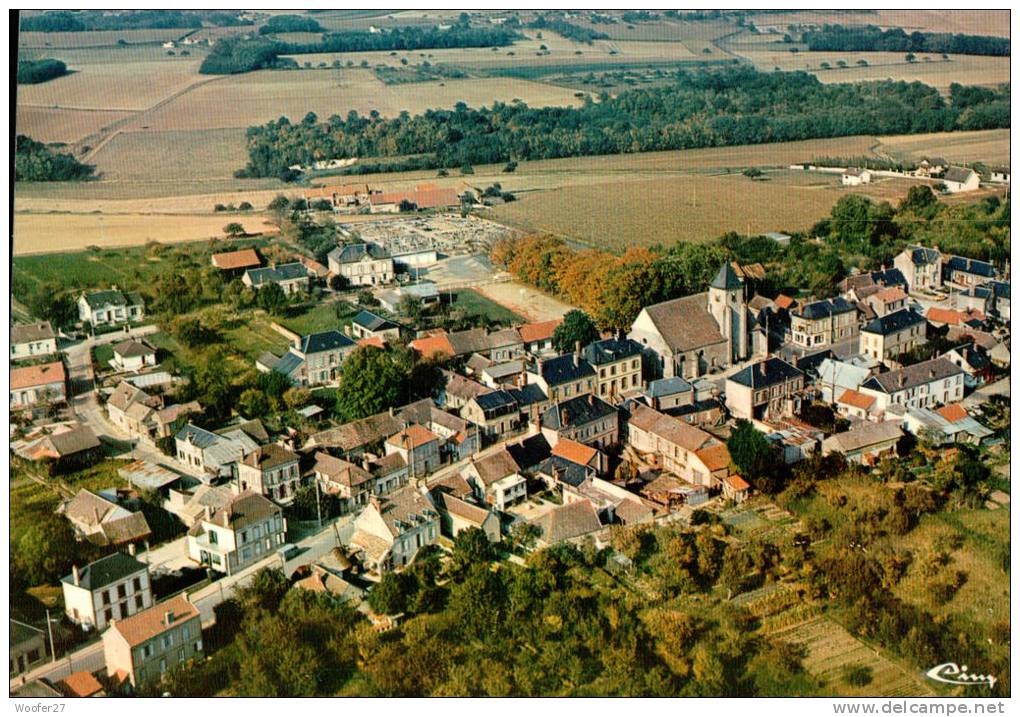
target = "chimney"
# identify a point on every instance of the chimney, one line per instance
(208, 512)
(168, 618)
(591, 399)
(903, 380)
(931, 372)
(563, 417)
(795, 359)
(391, 410)
(577, 354)
(76, 574)
(365, 463)
(131, 549)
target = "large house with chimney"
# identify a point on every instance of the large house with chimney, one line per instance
(230, 537)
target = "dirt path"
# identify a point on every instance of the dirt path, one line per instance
(524, 300)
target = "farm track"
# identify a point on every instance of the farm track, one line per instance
(106, 134)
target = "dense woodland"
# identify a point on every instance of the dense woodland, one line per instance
(858, 233)
(837, 38)
(80, 21)
(290, 23)
(702, 108)
(234, 55)
(35, 162)
(33, 72)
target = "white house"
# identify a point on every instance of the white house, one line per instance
(855, 177)
(111, 588)
(132, 355)
(364, 264)
(922, 385)
(229, 538)
(960, 179)
(30, 341)
(104, 308)
(392, 529)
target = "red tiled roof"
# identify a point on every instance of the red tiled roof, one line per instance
(944, 316)
(414, 434)
(343, 190)
(574, 452)
(376, 341)
(785, 302)
(714, 457)
(430, 346)
(856, 399)
(80, 684)
(953, 412)
(149, 623)
(41, 375)
(736, 482)
(539, 330)
(241, 259)
(890, 294)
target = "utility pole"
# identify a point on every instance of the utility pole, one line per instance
(49, 629)
(318, 505)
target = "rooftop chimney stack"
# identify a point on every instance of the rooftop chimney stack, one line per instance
(168, 618)
(76, 574)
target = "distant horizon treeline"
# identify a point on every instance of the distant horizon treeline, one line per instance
(81, 21)
(235, 55)
(702, 108)
(837, 38)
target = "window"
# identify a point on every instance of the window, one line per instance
(139, 602)
(162, 665)
(137, 585)
(106, 597)
(146, 651)
(108, 614)
(213, 537)
(122, 591)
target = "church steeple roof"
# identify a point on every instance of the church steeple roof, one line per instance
(726, 279)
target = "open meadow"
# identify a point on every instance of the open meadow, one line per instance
(979, 22)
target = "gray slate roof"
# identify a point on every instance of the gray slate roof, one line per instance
(105, 571)
(24, 333)
(893, 323)
(275, 274)
(916, 375)
(576, 411)
(356, 252)
(766, 373)
(324, 341)
(726, 278)
(606, 351)
(373, 322)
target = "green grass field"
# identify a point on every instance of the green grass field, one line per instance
(102, 355)
(321, 317)
(481, 308)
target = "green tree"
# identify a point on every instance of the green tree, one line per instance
(276, 662)
(234, 229)
(576, 326)
(470, 547)
(271, 298)
(851, 219)
(754, 456)
(371, 383)
(392, 594)
(253, 403)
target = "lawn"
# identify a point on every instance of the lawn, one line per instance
(479, 307)
(102, 355)
(319, 317)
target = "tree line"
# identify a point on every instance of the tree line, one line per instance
(701, 108)
(859, 233)
(234, 55)
(837, 38)
(290, 23)
(35, 162)
(567, 29)
(33, 72)
(81, 21)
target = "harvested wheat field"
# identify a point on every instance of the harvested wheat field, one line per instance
(988, 146)
(46, 233)
(46, 124)
(258, 97)
(615, 215)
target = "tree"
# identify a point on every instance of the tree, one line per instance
(253, 403)
(754, 456)
(410, 307)
(371, 383)
(467, 169)
(392, 594)
(271, 298)
(576, 327)
(471, 546)
(910, 57)
(297, 397)
(510, 166)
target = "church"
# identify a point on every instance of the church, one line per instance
(700, 334)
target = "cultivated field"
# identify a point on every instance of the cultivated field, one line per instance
(42, 233)
(831, 649)
(46, 124)
(96, 38)
(989, 146)
(615, 215)
(978, 22)
(256, 98)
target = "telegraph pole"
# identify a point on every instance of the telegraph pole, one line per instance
(49, 629)
(318, 504)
